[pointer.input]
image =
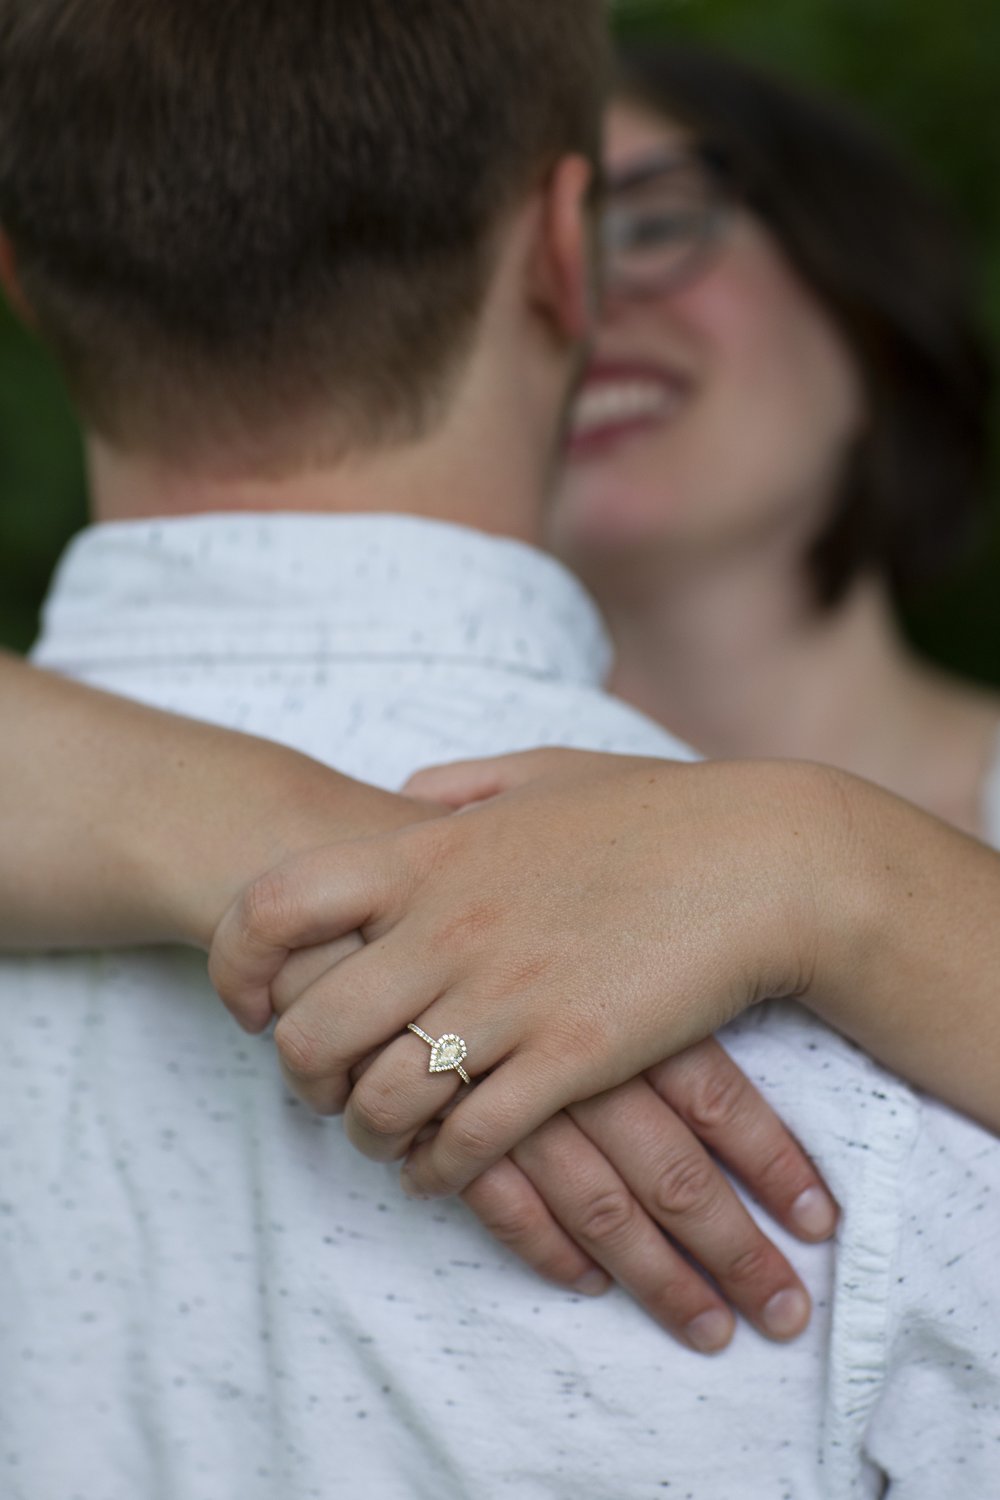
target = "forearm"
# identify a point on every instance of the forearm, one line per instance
(908, 964)
(123, 824)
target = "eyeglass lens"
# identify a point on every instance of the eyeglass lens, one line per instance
(660, 226)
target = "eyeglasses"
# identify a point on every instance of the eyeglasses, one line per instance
(663, 220)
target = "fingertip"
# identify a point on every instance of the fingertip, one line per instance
(711, 1332)
(412, 1189)
(786, 1315)
(814, 1214)
(450, 786)
(420, 783)
(419, 1181)
(253, 1019)
(593, 1283)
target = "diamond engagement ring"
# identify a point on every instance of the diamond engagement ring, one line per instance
(448, 1053)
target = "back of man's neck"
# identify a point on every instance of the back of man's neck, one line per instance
(494, 494)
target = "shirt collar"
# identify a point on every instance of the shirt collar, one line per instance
(281, 586)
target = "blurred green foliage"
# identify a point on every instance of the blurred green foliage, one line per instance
(926, 73)
(41, 482)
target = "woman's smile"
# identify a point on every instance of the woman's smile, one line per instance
(621, 399)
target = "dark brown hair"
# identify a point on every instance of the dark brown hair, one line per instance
(227, 213)
(883, 259)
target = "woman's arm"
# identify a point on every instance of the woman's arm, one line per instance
(122, 824)
(607, 913)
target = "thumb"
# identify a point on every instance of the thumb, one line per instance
(314, 898)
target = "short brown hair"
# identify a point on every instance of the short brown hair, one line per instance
(885, 261)
(229, 213)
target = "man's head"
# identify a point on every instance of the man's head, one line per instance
(231, 218)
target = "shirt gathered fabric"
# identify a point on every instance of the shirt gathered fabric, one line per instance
(207, 1294)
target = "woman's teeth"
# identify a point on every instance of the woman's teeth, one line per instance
(624, 401)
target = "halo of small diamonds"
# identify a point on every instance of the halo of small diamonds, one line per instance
(448, 1053)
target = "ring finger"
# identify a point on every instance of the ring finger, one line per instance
(357, 1005)
(398, 1095)
(421, 1072)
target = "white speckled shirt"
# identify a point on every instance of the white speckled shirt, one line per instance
(208, 1296)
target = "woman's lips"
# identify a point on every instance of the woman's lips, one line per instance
(618, 400)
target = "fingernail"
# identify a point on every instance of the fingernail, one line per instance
(410, 1188)
(710, 1332)
(592, 1284)
(786, 1314)
(814, 1212)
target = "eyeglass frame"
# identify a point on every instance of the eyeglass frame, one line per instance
(724, 200)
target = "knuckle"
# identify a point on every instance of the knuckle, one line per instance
(675, 1300)
(473, 918)
(525, 971)
(266, 906)
(510, 1209)
(575, 1044)
(467, 926)
(377, 1108)
(609, 1216)
(563, 1265)
(512, 1224)
(305, 966)
(512, 1218)
(751, 1266)
(470, 1138)
(718, 1099)
(783, 1168)
(299, 1049)
(685, 1184)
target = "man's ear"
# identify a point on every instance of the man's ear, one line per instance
(564, 271)
(10, 282)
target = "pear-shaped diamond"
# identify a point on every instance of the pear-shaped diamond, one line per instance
(448, 1052)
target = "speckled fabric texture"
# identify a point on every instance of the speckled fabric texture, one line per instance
(208, 1296)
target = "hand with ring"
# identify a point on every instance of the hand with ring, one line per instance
(571, 934)
(333, 1018)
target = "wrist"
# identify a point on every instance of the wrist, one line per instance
(806, 916)
(278, 804)
(273, 802)
(851, 874)
(757, 847)
(258, 806)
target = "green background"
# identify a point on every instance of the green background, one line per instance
(928, 73)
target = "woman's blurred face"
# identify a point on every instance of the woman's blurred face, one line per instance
(712, 412)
